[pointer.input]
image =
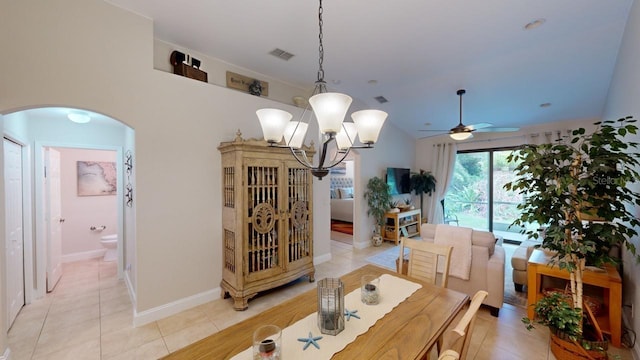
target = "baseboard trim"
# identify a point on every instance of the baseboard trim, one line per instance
(79, 256)
(361, 245)
(161, 312)
(129, 284)
(322, 258)
(635, 351)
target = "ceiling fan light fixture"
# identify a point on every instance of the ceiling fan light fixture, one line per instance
(460, 132)
(461, 135)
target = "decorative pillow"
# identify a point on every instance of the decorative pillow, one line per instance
(335, 194)
(346, 193)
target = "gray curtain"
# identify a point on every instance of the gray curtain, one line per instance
(443, 161)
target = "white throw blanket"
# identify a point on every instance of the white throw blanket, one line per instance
(460, 239)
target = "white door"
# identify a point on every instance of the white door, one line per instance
(13, 221)
(54, 218)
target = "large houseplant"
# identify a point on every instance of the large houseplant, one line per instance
(422, 183)
(378, 199)
(567, 184)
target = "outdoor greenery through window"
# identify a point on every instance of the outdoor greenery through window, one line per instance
(476, 197)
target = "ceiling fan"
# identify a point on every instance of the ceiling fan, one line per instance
(463, 132)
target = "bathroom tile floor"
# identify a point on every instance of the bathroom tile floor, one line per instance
(89, 316)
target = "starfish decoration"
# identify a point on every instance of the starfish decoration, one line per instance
(348, 313)
(310, 340)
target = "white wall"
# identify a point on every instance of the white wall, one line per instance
(394, 149)
(217, 72)
(623, 100)
(83, 212)
(3, 283)
(129, 226)
(178, 123)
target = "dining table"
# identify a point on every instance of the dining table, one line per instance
(408, 331)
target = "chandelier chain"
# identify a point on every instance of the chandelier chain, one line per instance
(320, 46)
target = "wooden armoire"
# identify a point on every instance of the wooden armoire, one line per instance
(267, 219)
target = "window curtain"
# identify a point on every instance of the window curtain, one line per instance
(443, 160)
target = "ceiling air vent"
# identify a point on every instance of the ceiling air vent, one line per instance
(281, 54)
(381, 99)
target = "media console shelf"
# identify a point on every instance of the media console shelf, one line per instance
(404, 223)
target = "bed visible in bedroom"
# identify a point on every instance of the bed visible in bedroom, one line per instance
(342, 209)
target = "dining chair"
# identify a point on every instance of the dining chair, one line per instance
(424, 258)
(449, 355)
(459, 337)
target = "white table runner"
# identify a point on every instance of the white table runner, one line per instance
(393, 291)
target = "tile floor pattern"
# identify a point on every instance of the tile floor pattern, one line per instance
(89, 316)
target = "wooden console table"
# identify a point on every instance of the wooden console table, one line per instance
(611, 321)
(403, 223)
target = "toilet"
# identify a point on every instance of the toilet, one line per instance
(110, 242)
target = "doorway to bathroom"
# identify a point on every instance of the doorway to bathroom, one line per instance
(51, 128)
(80, 206)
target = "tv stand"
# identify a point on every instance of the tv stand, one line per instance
(403, 223)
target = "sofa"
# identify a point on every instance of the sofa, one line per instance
(487, 267)
(519, 261)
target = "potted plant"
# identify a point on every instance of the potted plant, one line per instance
(378, 199)
(394, 206)
(584, 174)
(421, 183)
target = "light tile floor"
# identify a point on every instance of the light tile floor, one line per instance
(89, 316)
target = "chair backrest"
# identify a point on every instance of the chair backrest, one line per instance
(449, 355)
(459, 337)
(424, 257)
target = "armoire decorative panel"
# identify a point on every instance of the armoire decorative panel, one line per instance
(267, 218)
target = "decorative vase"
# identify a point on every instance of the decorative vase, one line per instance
(376, 239)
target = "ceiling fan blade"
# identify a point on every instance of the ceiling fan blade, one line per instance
(441, 130)
(475, 127)
(498, 129)
(434, 135)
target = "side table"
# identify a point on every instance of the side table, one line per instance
(609, 280)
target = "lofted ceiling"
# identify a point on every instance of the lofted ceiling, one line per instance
(417, 53)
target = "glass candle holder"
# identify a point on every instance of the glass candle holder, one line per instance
(370, 289)
(330, 306)
(267, 343)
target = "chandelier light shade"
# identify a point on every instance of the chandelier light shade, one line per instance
(369, 123)
(329, 109)
(273, 123)
(346, 137)
(295, 133)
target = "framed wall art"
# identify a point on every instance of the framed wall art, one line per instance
(96, 178)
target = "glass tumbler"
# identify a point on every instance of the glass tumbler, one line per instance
(370, 289)
(267, 343)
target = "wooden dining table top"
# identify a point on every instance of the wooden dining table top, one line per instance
(407, 332)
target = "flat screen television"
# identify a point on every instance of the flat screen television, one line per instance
(398, 180)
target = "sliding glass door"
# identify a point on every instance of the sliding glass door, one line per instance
(477, 198)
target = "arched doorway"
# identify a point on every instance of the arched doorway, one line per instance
(40, 129)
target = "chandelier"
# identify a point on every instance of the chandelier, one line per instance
(329, 109)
